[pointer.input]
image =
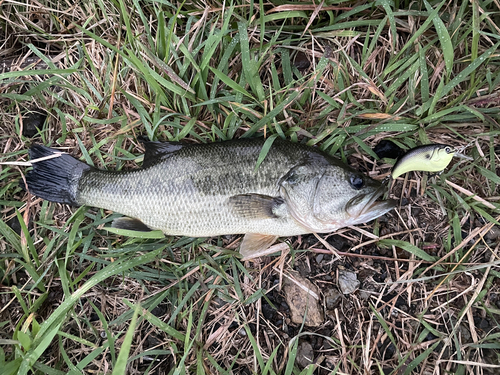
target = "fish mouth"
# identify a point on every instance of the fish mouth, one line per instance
(367, 207)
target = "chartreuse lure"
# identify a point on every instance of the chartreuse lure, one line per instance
(428, 158)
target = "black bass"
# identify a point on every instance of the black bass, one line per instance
(207, 190)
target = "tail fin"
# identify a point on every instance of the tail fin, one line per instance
(55, 179)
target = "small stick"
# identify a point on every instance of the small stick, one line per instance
(31, 162)
(330, 248)
(471, 194)
(376, 257)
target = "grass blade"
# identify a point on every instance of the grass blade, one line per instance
(121, 361)
(49, 328)
(444, 39)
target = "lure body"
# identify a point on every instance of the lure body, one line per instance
(428, 158)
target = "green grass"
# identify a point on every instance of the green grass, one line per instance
(76, 298)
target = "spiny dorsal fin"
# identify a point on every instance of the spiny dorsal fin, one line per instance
(130, 223)
(156, 150)
(256, 206)
(254, 245)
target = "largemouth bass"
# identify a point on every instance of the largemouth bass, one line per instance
(207, 190)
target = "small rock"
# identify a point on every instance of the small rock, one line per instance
(348, 282)
(390, 351)
(152, 341)
(218, 302)
(484, 324)
(464, 333)
(332, 298)
(388, 149)
(338, 242)
(365, 273)
(364, 295)
(305, 354)
(159, 310)
(15, 225)
(331, 362)
(268, 311)
(301, 295)
(493, 233)
(301, 61)
(32, 122)
(430, 336)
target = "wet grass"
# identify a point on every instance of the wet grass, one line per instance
(75, 298)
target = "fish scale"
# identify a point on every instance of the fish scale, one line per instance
(194, 201)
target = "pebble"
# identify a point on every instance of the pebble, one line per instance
(268, 311)
(348, 282)
(388, 149)
(159, 310)
(32, 122)
(364, 295)
(301, 61)
(305, 354)
(464, 333)
(493, 234)
(332, 298)
(300, 301)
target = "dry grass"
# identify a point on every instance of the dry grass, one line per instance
(340, 76)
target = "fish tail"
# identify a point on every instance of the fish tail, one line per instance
(55, 179)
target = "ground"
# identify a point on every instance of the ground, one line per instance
(415, 292)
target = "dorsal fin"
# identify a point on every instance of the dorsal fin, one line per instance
(156, 150)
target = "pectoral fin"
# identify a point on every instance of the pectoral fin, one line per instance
(254, 245)
(256, 206)
(130, 223)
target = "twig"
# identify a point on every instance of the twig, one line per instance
(471, 194)
(31, 162)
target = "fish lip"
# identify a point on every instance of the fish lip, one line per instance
(373, 208)
(373, 200)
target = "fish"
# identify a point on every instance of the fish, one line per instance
(428, 158)
(207, 190)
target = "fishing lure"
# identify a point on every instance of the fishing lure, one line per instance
(428, 158)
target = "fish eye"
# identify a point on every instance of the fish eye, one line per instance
(357, 182)
(448, 149)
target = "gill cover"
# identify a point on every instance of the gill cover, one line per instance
(298, 188)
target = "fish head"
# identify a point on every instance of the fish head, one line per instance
(328, 197)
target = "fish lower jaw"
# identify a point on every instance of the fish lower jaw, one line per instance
(371, 213)
(318, 226)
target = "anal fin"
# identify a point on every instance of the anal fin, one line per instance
(255, 245)
(130, 223)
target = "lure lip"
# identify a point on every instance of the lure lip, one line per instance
(462, 156)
